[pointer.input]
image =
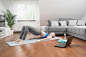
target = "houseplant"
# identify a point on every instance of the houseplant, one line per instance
(10, 19)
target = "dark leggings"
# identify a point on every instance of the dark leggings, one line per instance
(26, 29)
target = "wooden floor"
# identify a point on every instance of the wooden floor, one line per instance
(42, 49)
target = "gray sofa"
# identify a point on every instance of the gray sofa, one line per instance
(57, 29)
(76, 31)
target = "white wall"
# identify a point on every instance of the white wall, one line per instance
(1, 6)
(6, 4)
(55, 9)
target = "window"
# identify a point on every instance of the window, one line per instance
(25, 11)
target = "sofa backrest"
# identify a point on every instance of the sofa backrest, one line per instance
(74, 19)
(62, 19)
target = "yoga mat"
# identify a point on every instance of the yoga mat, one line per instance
(12, 43)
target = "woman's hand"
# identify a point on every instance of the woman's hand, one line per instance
(37, 41)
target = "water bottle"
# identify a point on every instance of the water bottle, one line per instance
(64, 36)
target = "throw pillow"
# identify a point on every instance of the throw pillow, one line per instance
(63, 23)
(81, 23)
(54, 23)
(72, 22)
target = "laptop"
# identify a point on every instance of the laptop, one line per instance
(64, 45)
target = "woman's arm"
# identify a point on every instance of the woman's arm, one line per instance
(35, 37)
(49, 37)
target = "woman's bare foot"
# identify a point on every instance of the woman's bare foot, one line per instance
(17, 40)
(21, 41)
(30, 38)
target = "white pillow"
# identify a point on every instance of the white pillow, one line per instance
(63, 23)
(72, 22)
(81, 23)
(54, 23)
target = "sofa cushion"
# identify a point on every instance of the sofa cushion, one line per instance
(78, 31)
(71, 28)
(81, 23)
(56, 29)
(54, 23)
(83, 37)
(72, 22)
(82, 31)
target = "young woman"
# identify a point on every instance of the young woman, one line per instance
(34, 31)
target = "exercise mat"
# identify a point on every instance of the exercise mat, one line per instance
(12, 43)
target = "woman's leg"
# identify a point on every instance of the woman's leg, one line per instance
(25, 32)
(33, 30)
(29, 29)
(22, 32)
(21, 35)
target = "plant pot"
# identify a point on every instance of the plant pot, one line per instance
(11, 32)
(6, 25)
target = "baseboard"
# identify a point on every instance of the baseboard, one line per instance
(17, 31)
(61, 35)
